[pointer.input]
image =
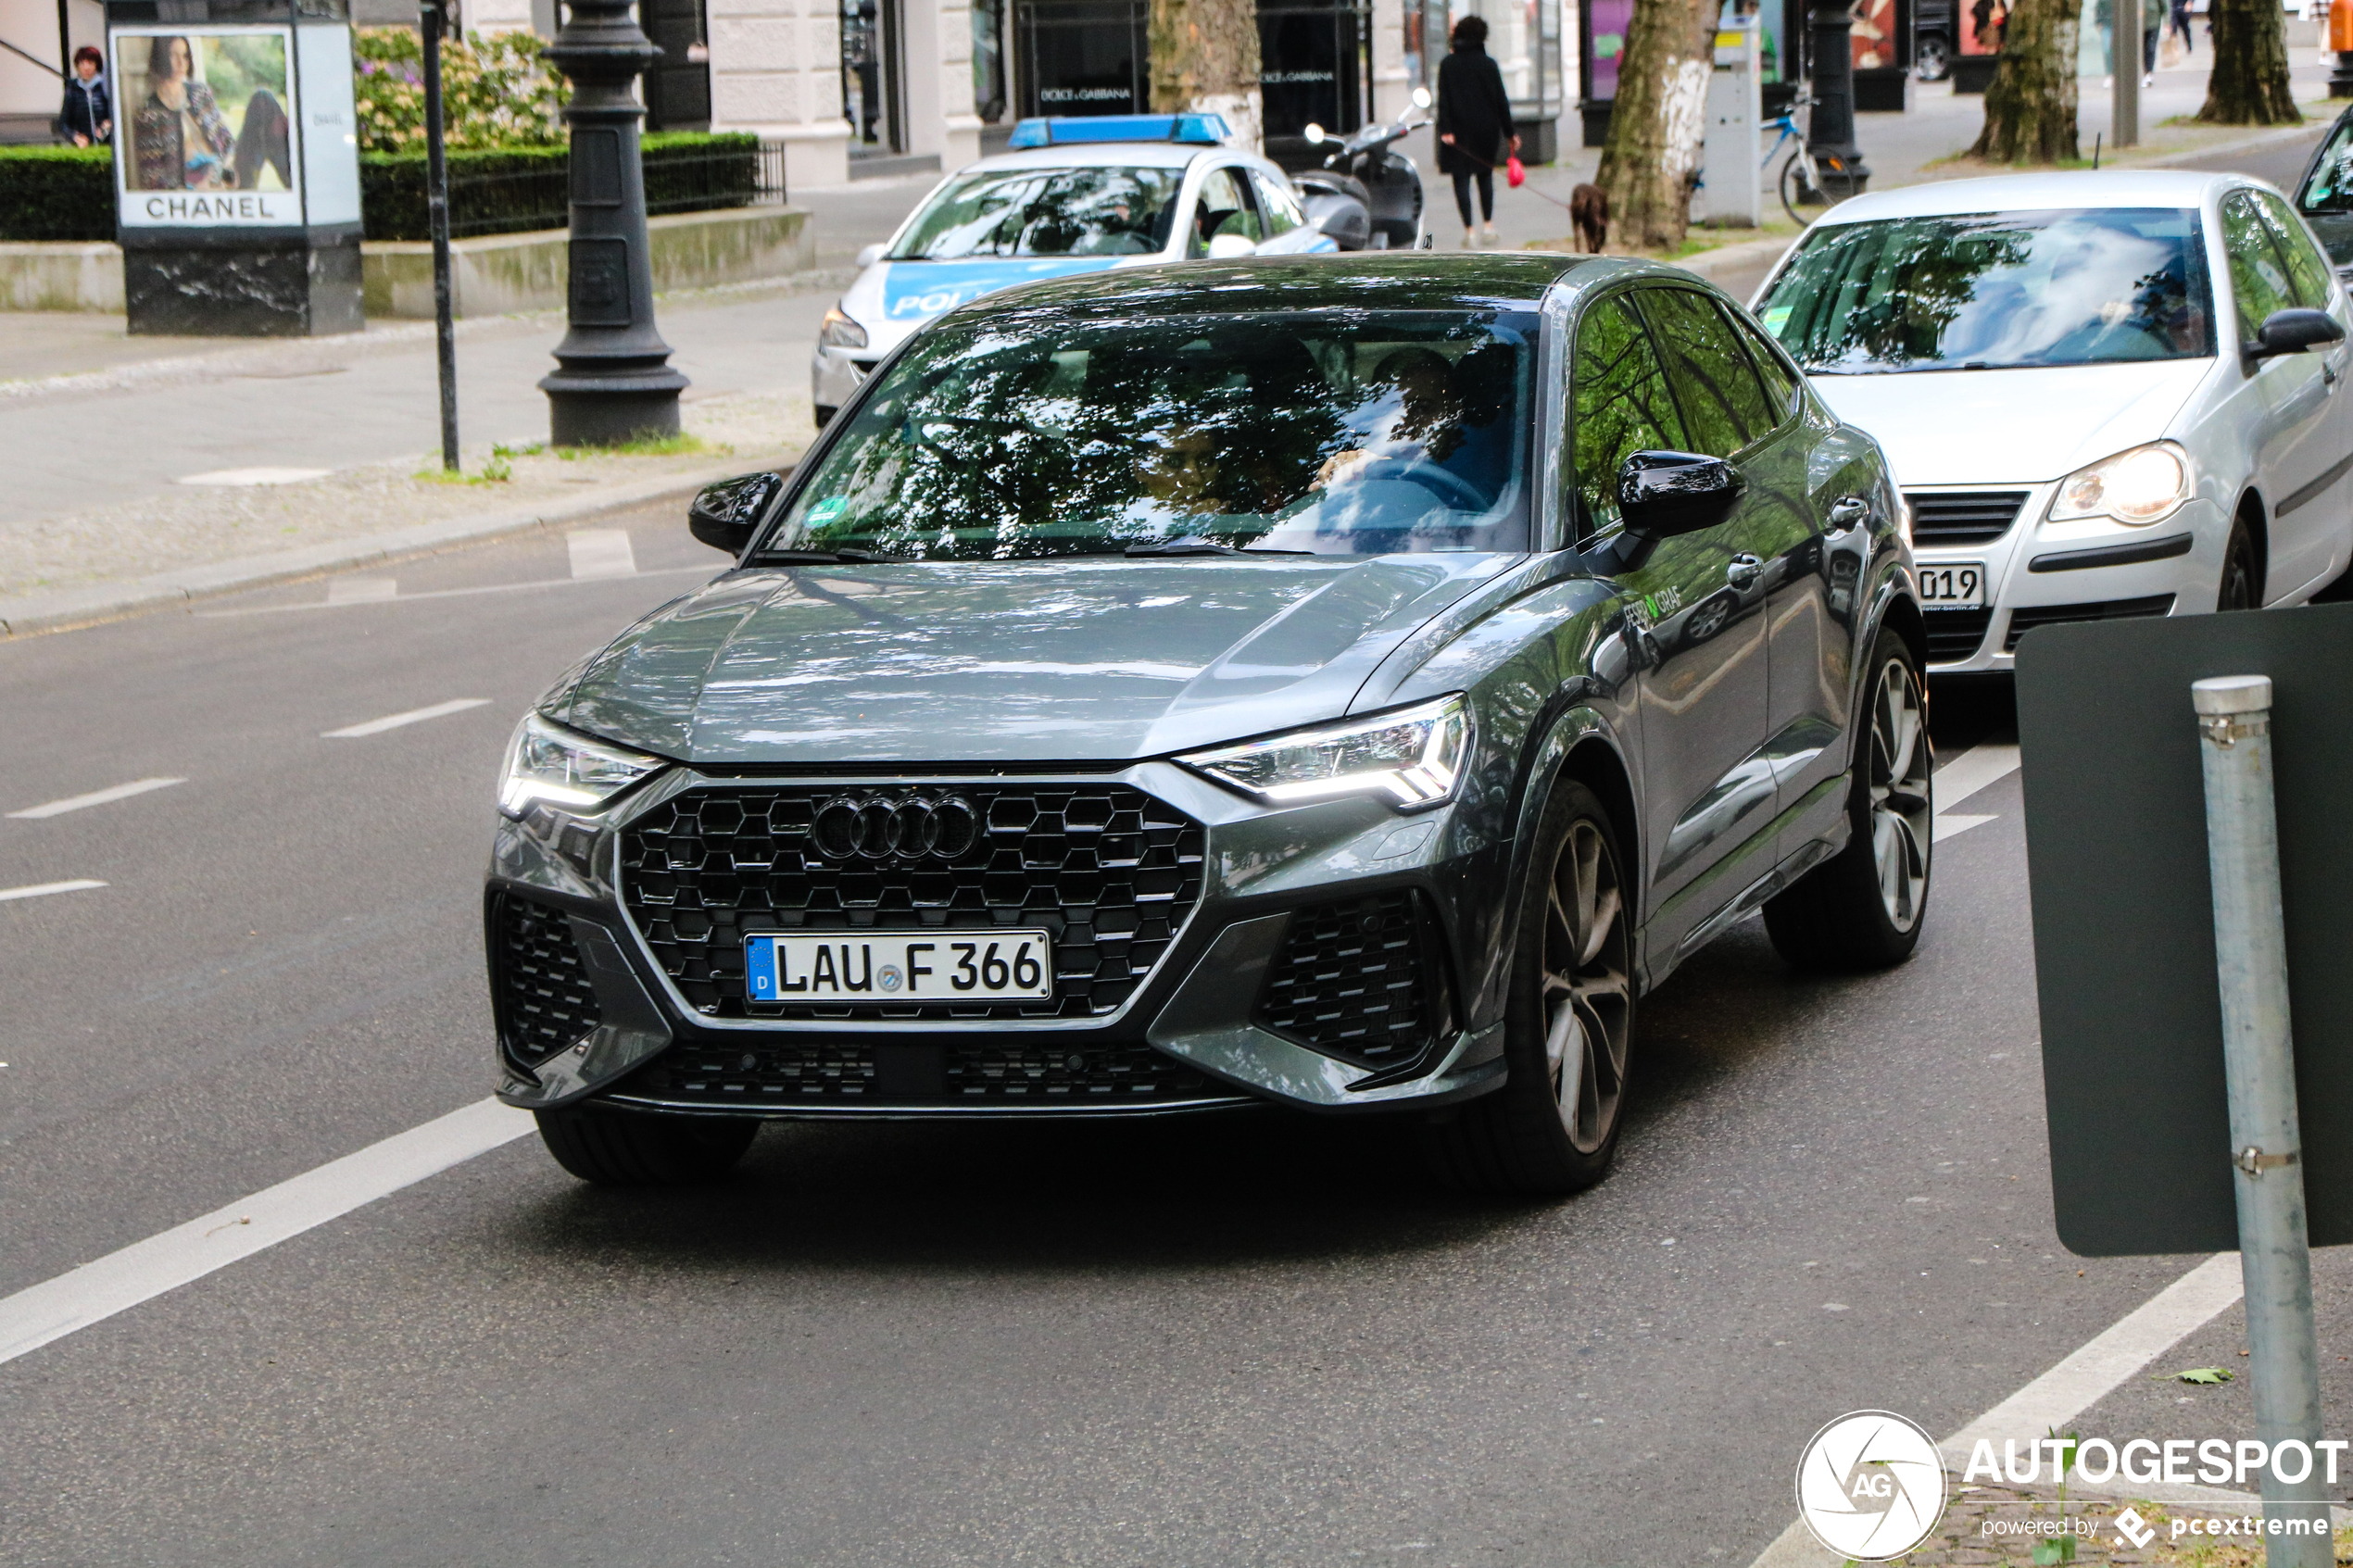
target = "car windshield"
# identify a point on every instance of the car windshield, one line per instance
(2329, 188)
(1100, 211)
(1029, 434)
(1995, 291)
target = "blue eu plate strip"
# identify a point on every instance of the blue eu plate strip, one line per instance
(759, 969)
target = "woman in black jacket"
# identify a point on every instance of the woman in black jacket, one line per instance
(1474, 123)
(86, 117)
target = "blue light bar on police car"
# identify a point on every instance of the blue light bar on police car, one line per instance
(1206, 130)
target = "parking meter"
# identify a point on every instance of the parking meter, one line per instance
(1735, 184)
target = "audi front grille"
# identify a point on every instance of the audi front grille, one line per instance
(1110, 871)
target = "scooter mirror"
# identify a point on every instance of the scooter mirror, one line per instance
(1422, 99)
(1315, 134)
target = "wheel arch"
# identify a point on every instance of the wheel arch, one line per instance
(2252, 511)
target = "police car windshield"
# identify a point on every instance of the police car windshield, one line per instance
(1090, 211)
(1030, 434)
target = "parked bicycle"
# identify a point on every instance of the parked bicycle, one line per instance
(1809, 187)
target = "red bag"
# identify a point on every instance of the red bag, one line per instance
(1515, 171)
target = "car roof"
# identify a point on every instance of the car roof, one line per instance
(2028, 193)
(1097, 155)
(1361, 280)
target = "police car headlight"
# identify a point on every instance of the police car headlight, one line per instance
(841, 332)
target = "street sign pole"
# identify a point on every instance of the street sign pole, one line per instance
(429, 15)
(2127, 100)
(2250, 949)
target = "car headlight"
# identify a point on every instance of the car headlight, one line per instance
(2144, 486)
(841, 332)
(1414, 757)
(548, 764)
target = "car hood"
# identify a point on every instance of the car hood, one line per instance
(1073, 661)
(2025, 426)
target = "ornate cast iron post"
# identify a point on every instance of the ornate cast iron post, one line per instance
(1829, 125)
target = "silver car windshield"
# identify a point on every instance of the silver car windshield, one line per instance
(1096, 211)
(1340, 433)
(1994, 290)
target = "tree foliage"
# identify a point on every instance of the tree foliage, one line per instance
(496, 91)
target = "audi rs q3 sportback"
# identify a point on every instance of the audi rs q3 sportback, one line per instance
(1348, 689)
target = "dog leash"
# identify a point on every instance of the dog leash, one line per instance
(1493, 170)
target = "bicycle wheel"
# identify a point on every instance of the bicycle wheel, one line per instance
(1808, 189)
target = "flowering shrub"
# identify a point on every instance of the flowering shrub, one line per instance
(496, 91)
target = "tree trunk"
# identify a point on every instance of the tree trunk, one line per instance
(1657, 123)
(1204, 60)
(2030, 105)
(2249, 83)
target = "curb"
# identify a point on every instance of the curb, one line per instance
(66, 610)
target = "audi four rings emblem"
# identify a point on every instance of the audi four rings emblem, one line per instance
(884, 827)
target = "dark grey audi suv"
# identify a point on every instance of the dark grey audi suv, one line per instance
(1347, 687)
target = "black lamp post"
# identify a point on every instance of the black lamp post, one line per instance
(1830, 127)
(614, 381)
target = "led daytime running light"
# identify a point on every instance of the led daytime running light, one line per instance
(549, 765)
(1414, 757)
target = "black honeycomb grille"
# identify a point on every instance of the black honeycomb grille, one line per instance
(1955, 634)
(2026, 617)
(1964, 517)
(1359, 980)
(1110, 871)
(783, 1073)
(545, 1002)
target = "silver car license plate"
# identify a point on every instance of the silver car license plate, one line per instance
(900, 966)
(1953, 585)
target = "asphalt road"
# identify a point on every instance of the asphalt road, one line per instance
(1255, 1340)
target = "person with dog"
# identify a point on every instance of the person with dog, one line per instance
(1474, 124)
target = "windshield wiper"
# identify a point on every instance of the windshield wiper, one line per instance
(1201, 547)
(814, 558)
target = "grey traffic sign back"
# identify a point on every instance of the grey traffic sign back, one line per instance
(2124, 954)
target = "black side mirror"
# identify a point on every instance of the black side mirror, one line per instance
(2292, 331)
(1663, 493)
(725, 515)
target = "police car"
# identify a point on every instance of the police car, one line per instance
(1067, 196)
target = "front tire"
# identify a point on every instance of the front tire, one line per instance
(2242, 584)
(1552, 1128)
(1863, 908)
(635, 1149)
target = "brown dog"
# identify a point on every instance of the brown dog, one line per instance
(1588, 214)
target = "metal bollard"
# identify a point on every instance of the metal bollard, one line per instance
(2250, 954)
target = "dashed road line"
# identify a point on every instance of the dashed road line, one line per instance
(1946, 827)
(43, 889)
(95, 797)
(710, 571)
(1972, 770)
(240, 478)
(601, 551)
(362, 590)
(40, 1314)
(395, 721)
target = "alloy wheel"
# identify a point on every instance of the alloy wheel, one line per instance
(1588, 995)
(1899, 794)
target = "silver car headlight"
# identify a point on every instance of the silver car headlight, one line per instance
(547, 764)
(1411, 758)
(2136, 487)
(841, 332)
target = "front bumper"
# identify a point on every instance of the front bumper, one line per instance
(2040, 574)
(1209, 952)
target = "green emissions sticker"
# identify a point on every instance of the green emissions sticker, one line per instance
(833, 507)
(1775, 318)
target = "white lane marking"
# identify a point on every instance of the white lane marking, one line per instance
(1948, 827)
(460, 593)
(43, 889)
(394, 721)
(1972, 770)
(95, 797)
(253, 476)
(601, 551)
(39, 1313)
(362, 590)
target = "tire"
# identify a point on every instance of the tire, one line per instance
(1806, 200)
(1933, 61)
(1568, 1025)
(636, 1148)
(1863, 909)
(2242, 583)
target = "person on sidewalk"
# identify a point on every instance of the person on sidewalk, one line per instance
(87, 115)
(1474, 124)
(2182, 27)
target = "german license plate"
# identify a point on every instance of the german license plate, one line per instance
(900, 966)
(1953, 585)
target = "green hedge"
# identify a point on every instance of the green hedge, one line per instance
(515, 190)
(57, 194)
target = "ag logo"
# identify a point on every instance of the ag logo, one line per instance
(1871, 1485)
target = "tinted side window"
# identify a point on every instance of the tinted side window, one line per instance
(1226, 209)
(2258, 279)
(2308, 269)
(1722, 401)
(1781, 387)
(2331, 187)
(1283, 213)
(1621, 405)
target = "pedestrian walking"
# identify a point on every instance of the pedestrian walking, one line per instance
(2182, 27)
(87, 115)
(1474, 124)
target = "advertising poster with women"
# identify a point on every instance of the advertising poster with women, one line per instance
(207, 126)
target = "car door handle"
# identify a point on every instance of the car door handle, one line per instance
(1742, 571)
(1847, 511)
